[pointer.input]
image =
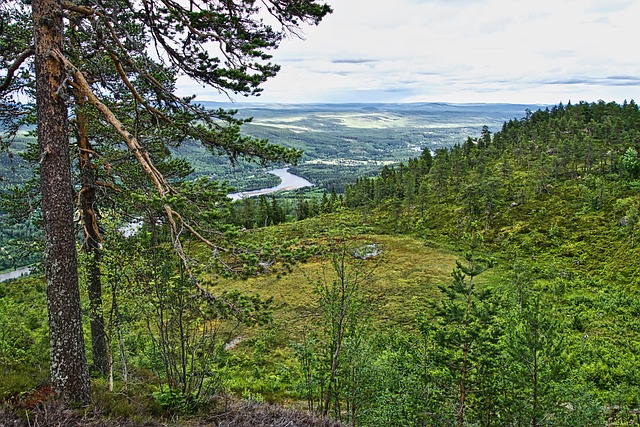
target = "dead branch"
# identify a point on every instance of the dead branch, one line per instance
(138, 151)
(82, 10)
(90, 225)
(162, 186)
(14, 67)
(107, 185)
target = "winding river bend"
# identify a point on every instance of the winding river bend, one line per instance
(15, 274)
(289, 181)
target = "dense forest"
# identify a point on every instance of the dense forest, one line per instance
(491, 283)
(341, 142)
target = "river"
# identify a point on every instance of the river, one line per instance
(289, 181)
(15, 274)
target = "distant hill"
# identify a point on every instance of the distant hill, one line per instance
(343, 141)
(348, 139)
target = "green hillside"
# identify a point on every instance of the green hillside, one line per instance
(552, 198)
(492, 283)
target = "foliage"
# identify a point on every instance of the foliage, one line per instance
(23, 336)
(550, 332)
(336, 358)
(557, 189)
(98, 54)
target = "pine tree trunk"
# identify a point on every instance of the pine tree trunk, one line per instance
(89, 208)
(99, 348)
(69, 370)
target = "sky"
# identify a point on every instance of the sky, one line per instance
(460, 51)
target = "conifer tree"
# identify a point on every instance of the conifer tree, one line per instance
(461, 323)
(182, 36)
(534, 345)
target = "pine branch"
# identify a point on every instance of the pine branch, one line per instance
(134, 92)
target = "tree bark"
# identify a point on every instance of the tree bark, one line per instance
(88, 204)
(69, 370)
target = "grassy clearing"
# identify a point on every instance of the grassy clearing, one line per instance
(405, 273)
(262, 363)
(404, 278)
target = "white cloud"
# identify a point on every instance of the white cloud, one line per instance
(543, 51)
